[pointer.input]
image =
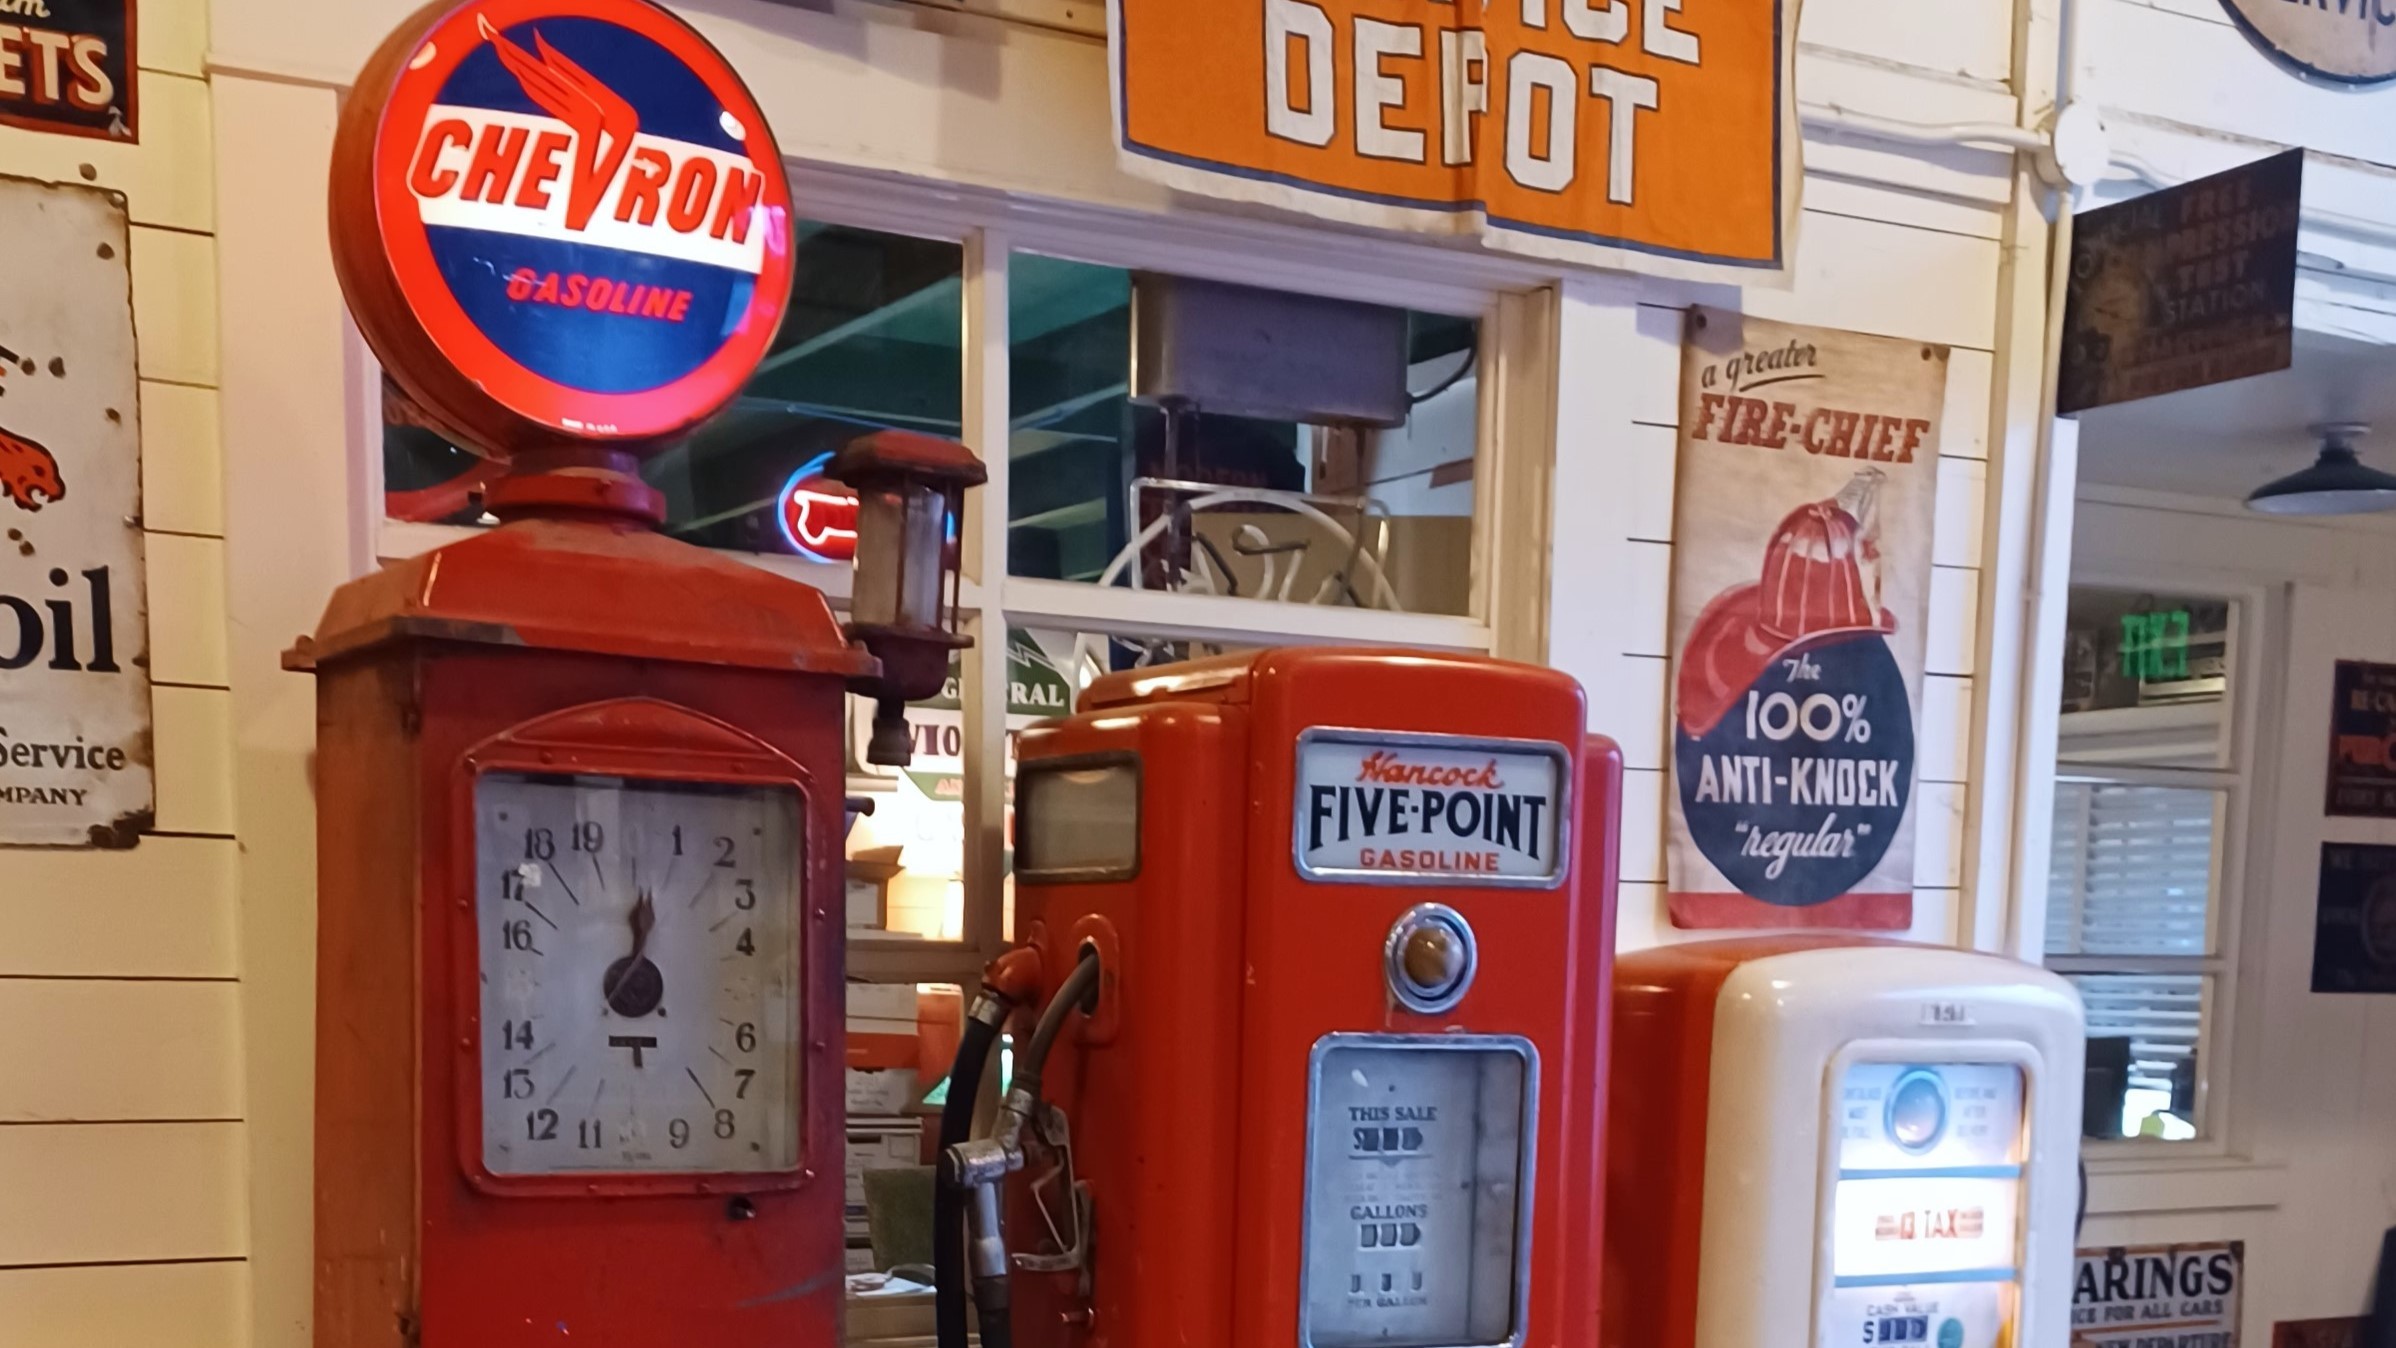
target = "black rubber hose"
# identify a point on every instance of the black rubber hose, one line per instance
(1076, 993)
(995, 1312)
(948, 1199)
(956, 1126)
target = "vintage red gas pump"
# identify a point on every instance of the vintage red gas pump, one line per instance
(1313, 997)
(579, 786)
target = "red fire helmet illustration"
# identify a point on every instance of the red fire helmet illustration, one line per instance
(29, 473)
(1813, 587)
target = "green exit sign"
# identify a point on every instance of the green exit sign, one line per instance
(2154, 646)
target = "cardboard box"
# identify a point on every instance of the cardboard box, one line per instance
(884, 1091)
(882, 1001)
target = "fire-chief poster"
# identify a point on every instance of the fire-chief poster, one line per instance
(1805, 502)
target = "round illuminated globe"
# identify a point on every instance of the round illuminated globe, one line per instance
(559, 222)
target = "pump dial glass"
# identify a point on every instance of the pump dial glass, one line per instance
(1926, 1212)
(1418, 1180)
(639, 968)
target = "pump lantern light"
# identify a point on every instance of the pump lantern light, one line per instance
(2338, 483)
(903, 602)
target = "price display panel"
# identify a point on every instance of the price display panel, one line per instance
(1417, 1181)
(1925, 1214)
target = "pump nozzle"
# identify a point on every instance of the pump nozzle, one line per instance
(978, 1165)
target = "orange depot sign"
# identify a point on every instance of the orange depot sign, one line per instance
(1658, 135)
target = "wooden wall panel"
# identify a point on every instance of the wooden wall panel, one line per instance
(165, 178)
(1971, 379)
(88, 1193)
(187, 609)
(174, 305)
(182, 459)
(109, 1050)
(174, 37)
(1954, 634)
(164, 909)
(1890, 279)
(1971, 38)
(194, 731)
(125, 1306)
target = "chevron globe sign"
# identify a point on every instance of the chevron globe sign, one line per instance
(560, 219)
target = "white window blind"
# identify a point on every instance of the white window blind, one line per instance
(2162, 1015)
(2131, 870)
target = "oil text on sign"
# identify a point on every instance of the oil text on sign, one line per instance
(1596, 130)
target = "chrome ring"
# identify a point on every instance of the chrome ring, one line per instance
(1434, 1001)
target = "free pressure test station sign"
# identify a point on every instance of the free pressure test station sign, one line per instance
(574, 224)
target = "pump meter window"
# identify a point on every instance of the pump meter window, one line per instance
(1929, 1196)
(1078, 821)
(1417, 1176)
(639, 959)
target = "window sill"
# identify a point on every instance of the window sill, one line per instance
(2125, 1186)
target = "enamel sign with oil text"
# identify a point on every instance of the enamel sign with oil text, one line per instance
(75, 766)
(1649, 135)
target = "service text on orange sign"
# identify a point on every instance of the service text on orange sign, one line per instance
(1631, 124)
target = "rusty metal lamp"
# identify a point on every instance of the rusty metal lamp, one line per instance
(903, 602)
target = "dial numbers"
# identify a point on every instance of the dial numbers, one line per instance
(639, 975)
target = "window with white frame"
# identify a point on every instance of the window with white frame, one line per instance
(1118, 529)
(2149, 789)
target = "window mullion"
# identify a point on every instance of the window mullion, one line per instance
(984, 541)
(1117, 610)
(984, 353)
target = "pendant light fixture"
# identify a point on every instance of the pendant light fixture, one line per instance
(2338, 483)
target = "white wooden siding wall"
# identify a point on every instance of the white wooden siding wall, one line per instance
(121, 1158)
(1917, 261)
(2316, 1075)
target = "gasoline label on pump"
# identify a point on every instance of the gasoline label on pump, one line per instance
(1386, 808)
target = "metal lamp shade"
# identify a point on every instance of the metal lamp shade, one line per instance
(2338, 483)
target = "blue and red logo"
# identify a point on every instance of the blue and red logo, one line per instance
(818, 516)
(584, 212)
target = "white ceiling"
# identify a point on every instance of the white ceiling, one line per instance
(2228, 439)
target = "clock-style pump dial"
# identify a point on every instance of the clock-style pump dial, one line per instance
(639, 967)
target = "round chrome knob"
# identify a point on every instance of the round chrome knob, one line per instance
(1430, 958)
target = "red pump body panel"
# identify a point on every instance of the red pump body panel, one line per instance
(1188, 1089)
(566, 647)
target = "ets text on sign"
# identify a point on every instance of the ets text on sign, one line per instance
(67, 66)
